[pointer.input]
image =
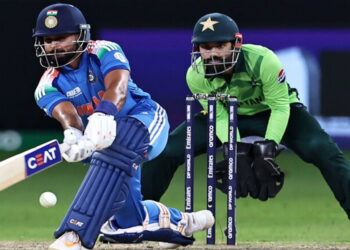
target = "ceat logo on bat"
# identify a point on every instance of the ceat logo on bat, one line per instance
(42, 158)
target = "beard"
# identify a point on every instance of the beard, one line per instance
(58, 59)
(217, 65)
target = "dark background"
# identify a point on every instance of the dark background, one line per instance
(20, 70)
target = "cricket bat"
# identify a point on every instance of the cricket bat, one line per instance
(28, 163)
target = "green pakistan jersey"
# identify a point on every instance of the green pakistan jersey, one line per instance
(258, 82)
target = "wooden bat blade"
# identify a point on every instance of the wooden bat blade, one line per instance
(28, 163)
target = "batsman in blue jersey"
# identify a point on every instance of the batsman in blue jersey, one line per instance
(110, 123)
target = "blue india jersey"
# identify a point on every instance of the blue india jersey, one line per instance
(84, 87)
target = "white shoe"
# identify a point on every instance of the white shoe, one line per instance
(168, 245)
(198, 221)
(67, 241)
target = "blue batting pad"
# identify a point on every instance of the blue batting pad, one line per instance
(106, 185)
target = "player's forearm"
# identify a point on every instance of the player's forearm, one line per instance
(277, 123)
(116, 83)
(66, 114)
(116, 96)
(222, 128)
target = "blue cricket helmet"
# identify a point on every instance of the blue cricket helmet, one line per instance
(59, 19)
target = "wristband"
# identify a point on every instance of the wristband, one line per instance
(107, 107)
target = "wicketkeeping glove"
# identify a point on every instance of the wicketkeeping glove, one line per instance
(221, 176)
(246, 182)
(268, 174)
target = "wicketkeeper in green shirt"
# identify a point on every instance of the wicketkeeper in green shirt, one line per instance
(267, 107)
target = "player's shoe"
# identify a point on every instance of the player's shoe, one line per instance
(67, 241)
(190, 224)
(197, 221)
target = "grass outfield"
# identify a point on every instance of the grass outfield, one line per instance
(305, 211)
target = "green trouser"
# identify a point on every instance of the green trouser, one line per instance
(303, 135)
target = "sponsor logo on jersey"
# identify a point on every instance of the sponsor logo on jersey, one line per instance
(281, 76)
(42, 158)
(74, 92)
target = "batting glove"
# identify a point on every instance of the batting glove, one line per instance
(79, 151)
(101, 130)
(72, 135)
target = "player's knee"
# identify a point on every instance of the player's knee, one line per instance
(319, 148)
(201, 115)
(172, 151)
(132, 134)
(175, 146)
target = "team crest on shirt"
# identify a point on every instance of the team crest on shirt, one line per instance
(119, 56)
(92, 78)
(281, 76)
